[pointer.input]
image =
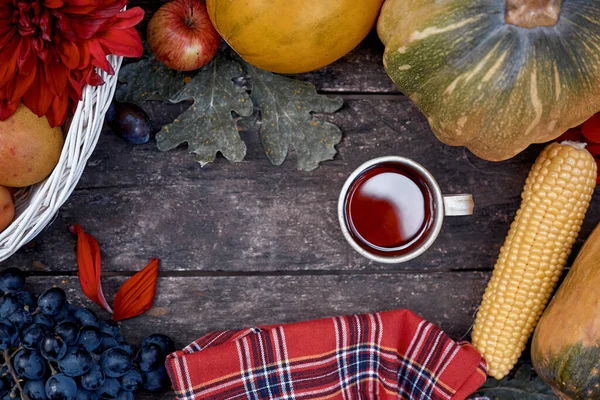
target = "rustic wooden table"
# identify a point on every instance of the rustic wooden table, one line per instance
(249, 243)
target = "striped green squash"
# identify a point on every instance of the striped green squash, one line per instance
(495, 75)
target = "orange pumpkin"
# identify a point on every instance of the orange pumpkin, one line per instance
(293, 36)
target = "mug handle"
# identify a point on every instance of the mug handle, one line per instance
(458, 204)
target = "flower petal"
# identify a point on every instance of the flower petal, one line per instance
(53, 3)
(126, 19)
(84, 55)
(7, 31)
(79, 6)
(39, 97)
(45, 26)
(9, 55)
(57, 114)
(56, 75)
(89, 263)
(69, 54)
(108, 9)
(94, 79)
(137, 293)
(23, 81)
(75, 86)
(99, 56)
(25, 52)
(125, 42)
(86, 28)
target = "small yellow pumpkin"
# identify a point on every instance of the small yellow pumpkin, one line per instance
(293, 36)
(495, 75)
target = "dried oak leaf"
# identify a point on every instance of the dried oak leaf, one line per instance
(148, 79)
(523, 385)
(286, 106)
(208, 126)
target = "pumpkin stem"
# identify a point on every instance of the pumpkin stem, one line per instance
(532, 13)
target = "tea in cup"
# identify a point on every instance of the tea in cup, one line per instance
(391, 209)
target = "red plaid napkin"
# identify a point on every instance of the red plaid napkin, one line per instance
(389, 355)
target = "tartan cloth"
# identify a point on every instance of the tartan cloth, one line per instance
(388, 355)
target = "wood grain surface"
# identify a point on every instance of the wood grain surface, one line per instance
(252, 216)
(249, 243)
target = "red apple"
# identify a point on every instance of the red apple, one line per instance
(181, 35)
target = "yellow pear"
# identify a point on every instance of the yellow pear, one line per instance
(29, 148)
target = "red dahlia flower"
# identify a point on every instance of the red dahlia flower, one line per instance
(49, 50)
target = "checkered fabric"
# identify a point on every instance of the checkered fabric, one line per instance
(388, 355)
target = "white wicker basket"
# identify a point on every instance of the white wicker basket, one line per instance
(38, 204)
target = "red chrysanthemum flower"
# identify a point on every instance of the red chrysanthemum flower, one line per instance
(49, 50)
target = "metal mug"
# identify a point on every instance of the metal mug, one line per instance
(444, 205)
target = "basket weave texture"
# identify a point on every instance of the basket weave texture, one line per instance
(37, 205)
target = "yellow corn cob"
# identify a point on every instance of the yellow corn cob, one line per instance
(556, 196)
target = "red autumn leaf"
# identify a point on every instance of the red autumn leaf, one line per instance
(136, 295)
(89, 264)
(591, 129)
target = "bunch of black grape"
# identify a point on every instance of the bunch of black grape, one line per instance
(50, 349)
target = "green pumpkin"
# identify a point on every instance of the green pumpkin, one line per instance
(495, 75)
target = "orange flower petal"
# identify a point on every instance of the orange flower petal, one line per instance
(9, 55)
(99, 57)
(53, 3)
(25, 78)
(122, 42)
(38, 98)
(89, 264)
(136, 295)
(57, 114)
(127, 19)
(69, 54)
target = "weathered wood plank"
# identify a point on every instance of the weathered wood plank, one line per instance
(186, 308)
(251, 216)
(361, 71)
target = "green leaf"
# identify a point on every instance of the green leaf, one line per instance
(524, 385)
(208, 126)
(148, 79)
(286, 107)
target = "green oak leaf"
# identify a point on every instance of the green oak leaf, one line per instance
(148, 79)
(524, 385)
(286, 106)
(208, 126)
